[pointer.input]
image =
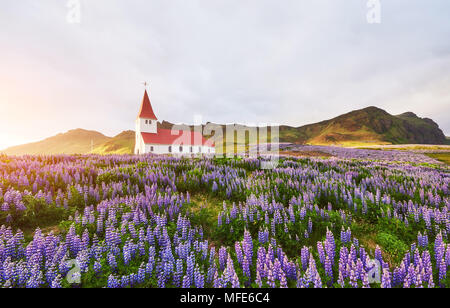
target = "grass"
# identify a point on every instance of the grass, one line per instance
(370, 236)
(343, 136)
(120, 144)
(204, 211)
(391, 244)
(45, 229)
(443, 157)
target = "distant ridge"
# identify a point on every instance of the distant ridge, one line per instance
(370, 125)
(72, 142)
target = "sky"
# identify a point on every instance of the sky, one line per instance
(290, 62)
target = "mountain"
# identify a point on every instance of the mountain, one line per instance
(369, 125)
(123, 143)
(72, 142)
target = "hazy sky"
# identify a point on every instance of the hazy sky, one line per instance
(249, 61)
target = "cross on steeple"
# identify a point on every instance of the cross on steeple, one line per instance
(145, 83)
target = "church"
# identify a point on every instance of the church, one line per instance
(151, 139)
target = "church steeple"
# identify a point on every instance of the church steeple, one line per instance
(146, 111)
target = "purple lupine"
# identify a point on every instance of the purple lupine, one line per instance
(304, 253)
(341, 281)
(112, 282)
(190, 264)
(330, 246)
(246, 267)
(112, 261)
(270, 279)
(442, 271)
(329, 268)
(321, 252)
(317, 281)
(141, 274)
(222, 257)
(247, 246)
(238, 250)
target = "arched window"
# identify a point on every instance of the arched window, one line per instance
(146, 121)
(170, 149)
(181, 149)
(190, 150)
(151, 149)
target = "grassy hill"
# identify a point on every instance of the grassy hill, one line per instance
(367, 126)
(76, 141)
(123, 143)
(370, 125)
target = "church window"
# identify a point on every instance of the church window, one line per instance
(190, 149)
(181, 149)
(146, 121)
(170, 149)
(151, 149)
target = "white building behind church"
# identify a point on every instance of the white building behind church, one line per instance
(150, 139)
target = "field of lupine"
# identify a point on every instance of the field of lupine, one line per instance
(148, 221)
(411, 156)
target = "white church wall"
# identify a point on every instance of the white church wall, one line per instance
(140, 146)
(186, 149)
(136, 143)
(208, 150)
(157, 148)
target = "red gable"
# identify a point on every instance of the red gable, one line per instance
(146, 111)
(165, 136)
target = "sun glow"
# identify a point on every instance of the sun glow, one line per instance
(8, 140)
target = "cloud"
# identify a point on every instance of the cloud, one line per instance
(290, 62)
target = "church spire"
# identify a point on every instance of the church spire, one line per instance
(146, 111)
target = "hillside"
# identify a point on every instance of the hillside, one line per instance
(72, 142)
(370, 125)
(123, 143)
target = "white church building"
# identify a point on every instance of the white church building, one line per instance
(150, 139)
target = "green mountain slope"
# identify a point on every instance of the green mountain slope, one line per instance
(371, 125)
(123, 143)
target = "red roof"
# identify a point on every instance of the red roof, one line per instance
(146, 111)
(176, 137)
